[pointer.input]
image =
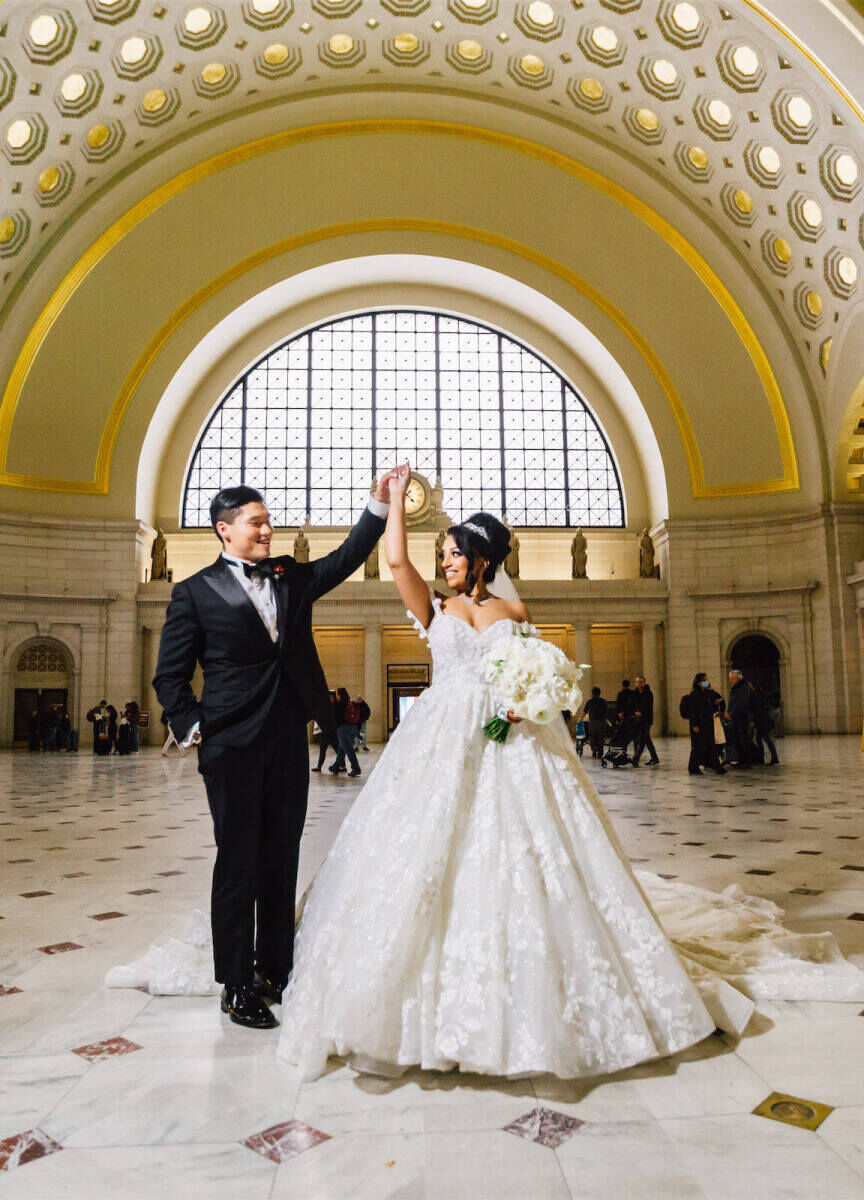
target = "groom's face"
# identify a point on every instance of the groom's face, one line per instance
(248, 536)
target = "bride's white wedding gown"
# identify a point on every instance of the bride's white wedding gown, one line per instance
(477, 911)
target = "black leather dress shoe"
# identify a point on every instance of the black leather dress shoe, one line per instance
(245, 1007)
(270, 987)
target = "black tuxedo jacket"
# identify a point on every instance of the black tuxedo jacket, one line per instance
(211, 620)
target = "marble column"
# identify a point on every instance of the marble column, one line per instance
(374, 684)
(582, 654)
(154, 735)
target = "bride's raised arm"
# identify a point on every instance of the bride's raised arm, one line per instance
(409, 581)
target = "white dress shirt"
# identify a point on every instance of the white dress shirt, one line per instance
(260, 591)
(262, 595)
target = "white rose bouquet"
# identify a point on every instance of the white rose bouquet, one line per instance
(535, 678)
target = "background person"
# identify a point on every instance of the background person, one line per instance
(346, 733)
(700, 708)
(365, 714)
(99, 717)
(133, 715)
(741, 716)
(764, 726)
(327, 737)
(642, 703)
(596, 710)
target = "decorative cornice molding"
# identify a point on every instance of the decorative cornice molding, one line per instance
(764, 593)
(57, 598)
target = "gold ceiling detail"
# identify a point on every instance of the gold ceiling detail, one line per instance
(734, 71)
(788, 481)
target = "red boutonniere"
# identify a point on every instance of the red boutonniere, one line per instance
(278, 573)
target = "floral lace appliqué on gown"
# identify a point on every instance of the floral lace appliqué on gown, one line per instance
(477, 910)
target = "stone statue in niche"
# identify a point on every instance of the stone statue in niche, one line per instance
(371, 570)
(511, 562)
(439, 550)
(301, 547)
(647, 569)
(159, 557)
(579, 556)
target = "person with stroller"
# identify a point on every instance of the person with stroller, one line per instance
(698, 707)
(643, 710)
(625, 729)
(596, 710)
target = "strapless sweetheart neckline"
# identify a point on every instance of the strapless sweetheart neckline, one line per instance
(440, 612)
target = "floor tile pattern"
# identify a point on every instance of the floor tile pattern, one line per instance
(23, 1148)
(152, 1096)
(281, 1142)
(107, 1048)
(545, 1126)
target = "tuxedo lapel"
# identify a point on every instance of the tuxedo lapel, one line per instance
(225, 584)
(282, 588)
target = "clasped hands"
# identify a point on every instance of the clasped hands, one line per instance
(400, 476)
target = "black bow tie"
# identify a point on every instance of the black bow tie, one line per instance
(262, 570)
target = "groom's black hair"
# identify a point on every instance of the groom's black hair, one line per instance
(226, 504)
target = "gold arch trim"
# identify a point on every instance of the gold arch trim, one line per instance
(812, 58)
(789, 481)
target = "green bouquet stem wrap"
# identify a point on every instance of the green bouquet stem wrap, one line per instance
(497, 729)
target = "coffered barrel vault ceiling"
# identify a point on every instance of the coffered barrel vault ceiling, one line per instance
(702, 92)
(708, 96)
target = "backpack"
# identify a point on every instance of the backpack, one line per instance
(684, 706)
(352, 713)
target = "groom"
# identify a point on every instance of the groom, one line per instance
(248, 620)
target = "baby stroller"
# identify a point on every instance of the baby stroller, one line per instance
(616, 747)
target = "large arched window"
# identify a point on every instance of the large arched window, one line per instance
(314, 420)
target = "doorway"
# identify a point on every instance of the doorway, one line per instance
(34, 700)
(42, 678)
(758, 659)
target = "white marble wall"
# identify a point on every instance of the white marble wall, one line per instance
(74, 582)
(81, 583)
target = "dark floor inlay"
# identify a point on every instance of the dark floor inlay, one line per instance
(545, 1126)
(286, 1140)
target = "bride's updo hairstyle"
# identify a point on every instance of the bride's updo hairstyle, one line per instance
(482, 534)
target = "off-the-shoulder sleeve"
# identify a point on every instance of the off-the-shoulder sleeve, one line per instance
(436, 609)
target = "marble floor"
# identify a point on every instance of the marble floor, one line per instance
(120, 1094)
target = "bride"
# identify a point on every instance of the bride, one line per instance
(477, 911)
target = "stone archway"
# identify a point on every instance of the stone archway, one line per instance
(41, 674)
(758, 656)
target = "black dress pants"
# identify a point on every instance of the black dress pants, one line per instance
(642, 742)
(257, 796)
(741, 726)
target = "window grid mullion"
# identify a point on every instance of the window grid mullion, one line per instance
(597, 496)
(500, 344)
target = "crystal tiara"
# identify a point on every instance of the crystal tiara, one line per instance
(478, 529)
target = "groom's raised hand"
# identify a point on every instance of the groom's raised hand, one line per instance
(382, 490)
